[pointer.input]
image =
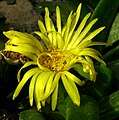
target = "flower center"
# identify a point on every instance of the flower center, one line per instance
(53, 59)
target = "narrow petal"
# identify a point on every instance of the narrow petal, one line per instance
(74, 78)
(25, 78)
(56, 80)
(99, 43)
(22, 37)
(48, 24)
(24, 47)
(90, 66)
(25, 52)
(84, 32)
(92, 54)
(75, 21)
(78, 31)
(24, 66)
(54, 36)
(43, 37)
(93, 34)
(42, 82)
(42, 27)
(54, 98)
(58, 18)
(31, 87)
(66, 33)
(71, 90)
(48, 87)
(60, 41)
(36, 95)
(80, 47)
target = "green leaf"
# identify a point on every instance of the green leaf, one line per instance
(54, 116)
(114, 66)
(87, 111)
(112, 55)
(105, 12)
(109, 107)
(31, 114)
(102, 85)
(114, 32)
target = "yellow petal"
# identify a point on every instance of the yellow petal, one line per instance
(42, 27)
(56, 80)
(58, 18)
(24, 66)
(36, 95)
(48, 87)
(93, 34)
(80, 47)
(54, 37)
(71, 89)
(99, 43)
(66, 33)
(73, 78)
(44, 37)
(32, 55)
(23, 38)
(48, 24)
(84, 32)
(42, 82)
(60, 41)
(75, 21)
(91, 54)
(90, 66)
(54, 98)
(31, 87)
(25, 78)
(24, 47)
(78, 31)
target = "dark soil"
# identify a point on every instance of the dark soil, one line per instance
(20, 15)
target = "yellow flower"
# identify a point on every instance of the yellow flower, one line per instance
(58, 51)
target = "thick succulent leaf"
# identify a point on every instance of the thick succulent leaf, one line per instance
(109, 107)
(112, 54)
(105, 11)
(114, 66)
(114, 32)
(88, 110)
(31, 114)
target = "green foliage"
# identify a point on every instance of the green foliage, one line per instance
(114, 32)
(87, 111)
(105, 11)
(109, 106)
(31, 114)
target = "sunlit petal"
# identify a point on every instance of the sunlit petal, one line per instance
(78, 31)
(74, 78)
(58, 18)
(54, 98)
(25, 78)
(31, 87)
(71, 89)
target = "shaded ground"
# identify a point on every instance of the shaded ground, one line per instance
(20, 16)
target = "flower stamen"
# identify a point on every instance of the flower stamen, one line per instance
(53, 60)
